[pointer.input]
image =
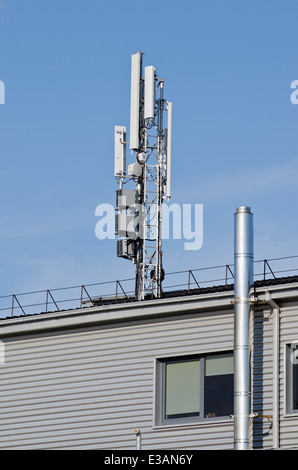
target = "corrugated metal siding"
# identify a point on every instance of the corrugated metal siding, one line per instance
(288, 335)
(262, 378)
(89, 388)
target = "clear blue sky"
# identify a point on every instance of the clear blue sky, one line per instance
(228, 67)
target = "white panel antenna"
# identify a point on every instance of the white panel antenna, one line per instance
(149, 92)
(169, 150)
(136, 64)
(120, 151)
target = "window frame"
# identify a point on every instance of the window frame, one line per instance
(160, 390)
(290, 410)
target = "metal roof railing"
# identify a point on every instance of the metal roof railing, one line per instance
(74, 297)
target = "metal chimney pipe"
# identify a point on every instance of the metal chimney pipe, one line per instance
(243, 265)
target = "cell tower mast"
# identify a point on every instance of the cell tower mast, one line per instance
(139, 210)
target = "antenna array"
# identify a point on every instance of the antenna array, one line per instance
(139, 210)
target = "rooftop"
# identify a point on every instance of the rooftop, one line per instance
(199, 281)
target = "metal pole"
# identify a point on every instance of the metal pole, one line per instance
(12, 305)
(243, 261)
(47, 299)
(138, 439)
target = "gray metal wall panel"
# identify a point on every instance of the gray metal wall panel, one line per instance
(89, 388)
(288, 334)
(262, 378)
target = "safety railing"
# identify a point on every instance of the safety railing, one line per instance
(64, 298)
(88, 295)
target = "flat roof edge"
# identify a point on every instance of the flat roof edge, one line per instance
(138, 310)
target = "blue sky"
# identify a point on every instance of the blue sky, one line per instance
(228, 67)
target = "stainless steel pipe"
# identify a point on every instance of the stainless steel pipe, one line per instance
(243, 265)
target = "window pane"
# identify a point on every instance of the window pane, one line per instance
(219, 364)
(219, 385)
(182, 389)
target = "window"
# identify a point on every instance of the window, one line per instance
(182, 389)
(219, 385)
(292, 378)
(195, 387)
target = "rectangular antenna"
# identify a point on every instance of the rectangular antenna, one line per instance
(169, 150)
(149, 92)
(136, 65)
(120, 151)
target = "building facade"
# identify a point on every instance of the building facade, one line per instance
(87, 378)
